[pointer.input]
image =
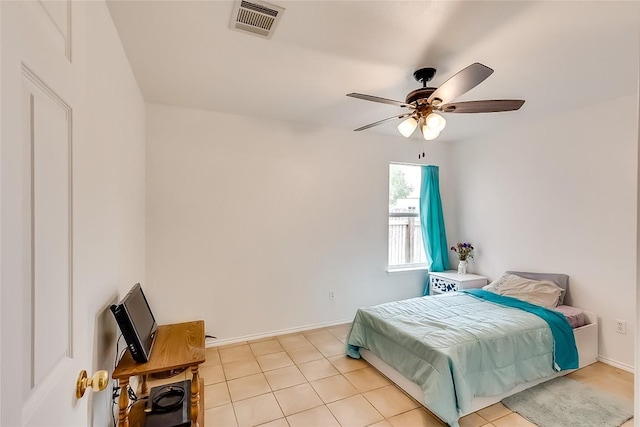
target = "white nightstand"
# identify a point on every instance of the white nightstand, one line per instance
(449, 281)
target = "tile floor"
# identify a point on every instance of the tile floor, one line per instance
(304, 380)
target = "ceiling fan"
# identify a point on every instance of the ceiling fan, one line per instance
(423, 103)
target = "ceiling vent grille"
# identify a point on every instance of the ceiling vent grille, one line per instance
(255, 17)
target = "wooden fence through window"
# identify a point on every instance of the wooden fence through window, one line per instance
(405, 239)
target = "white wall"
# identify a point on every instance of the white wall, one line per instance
(109, 185)
(557, 190)
(251, 222)
(559, 195)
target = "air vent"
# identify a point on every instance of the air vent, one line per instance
(255, 17)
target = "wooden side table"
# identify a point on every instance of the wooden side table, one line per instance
(179, 345)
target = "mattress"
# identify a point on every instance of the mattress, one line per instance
(575, 316)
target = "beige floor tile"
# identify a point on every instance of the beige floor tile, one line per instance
(316, 417)
(346, 364)
(211, 374)
(244, 375)
(221, 416)
(628, 423)
(249, 386)
(212, 356)
(290, 342)
(281, 422)
(261, 348)
(415, 418)
(512, 420)
(472, 420)
(284, 377)
(494, 412)
(390, 401)
(233, 354)
(304, 354)
(268, 338)
(308, 331)
(297, 399)
(216, 395)
(340, 331)
(257, 410)
(240, 368)
(278, 360)
(317, 369)
(355, 411)
(366, 379)
(233, 344)
(606, 377)
(317, 337)
(333, 388)
(333, 347)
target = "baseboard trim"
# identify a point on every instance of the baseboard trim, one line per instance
(210, 343)
(616, 364)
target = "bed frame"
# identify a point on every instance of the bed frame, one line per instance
(586, 342)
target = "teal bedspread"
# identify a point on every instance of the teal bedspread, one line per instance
(457, 346)
(565, 353)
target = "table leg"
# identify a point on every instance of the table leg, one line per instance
(195, 396)
(123, 404)
(144, 388)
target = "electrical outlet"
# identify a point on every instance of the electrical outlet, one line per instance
(332, 295)
(621, 327)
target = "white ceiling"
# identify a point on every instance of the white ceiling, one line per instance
(554, 55)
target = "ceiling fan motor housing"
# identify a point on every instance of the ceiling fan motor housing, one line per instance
(422, 75)
(418, 94)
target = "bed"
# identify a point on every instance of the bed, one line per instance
(457, 353)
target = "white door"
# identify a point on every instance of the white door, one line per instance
(44, 341)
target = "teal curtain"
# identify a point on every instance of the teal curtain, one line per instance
(434, 237)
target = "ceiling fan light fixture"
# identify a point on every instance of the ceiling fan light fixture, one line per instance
(428, 133)
(436, 122)
(407, 127)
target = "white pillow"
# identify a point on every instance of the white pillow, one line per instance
(539, 292)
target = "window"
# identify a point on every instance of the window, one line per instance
(405, 235)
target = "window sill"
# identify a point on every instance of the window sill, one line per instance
(392, 270)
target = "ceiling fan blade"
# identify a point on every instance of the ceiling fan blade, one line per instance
(381, 100)
(486, 106)
(379, 122)
(460, 83)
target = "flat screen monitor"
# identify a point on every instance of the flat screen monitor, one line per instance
(136, 322)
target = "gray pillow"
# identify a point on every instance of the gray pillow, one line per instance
(562, 280)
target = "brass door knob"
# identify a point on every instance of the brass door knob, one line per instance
(98, 382)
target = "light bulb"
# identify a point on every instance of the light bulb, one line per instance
(407, 127)
(436, 122)
(428, 133)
